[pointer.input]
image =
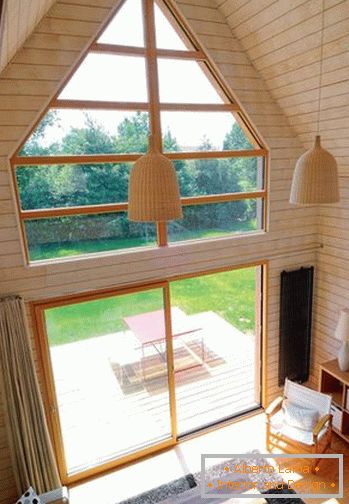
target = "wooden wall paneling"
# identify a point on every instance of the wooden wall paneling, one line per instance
(20, 18)
(292, 238)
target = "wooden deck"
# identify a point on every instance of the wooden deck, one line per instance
(110, 405)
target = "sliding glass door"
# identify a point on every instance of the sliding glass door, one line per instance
(110, 377)
(131, 371)
(217, 354)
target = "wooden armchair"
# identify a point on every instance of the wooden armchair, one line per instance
(290, 439)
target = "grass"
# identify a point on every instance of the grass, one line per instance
(56, 250)
(73, 248)
(97, 318)
(230, 294)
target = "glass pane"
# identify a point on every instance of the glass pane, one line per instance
(202, 131)
(110, 376)
(126, 28)
(198, 177)
(185, 82)
(68, 131)
(85, 234)
(167, 37)
(72, 185)
(108, 77)
(216, 220)
(216, 362)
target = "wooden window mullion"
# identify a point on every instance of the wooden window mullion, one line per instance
(153, 94)
(42, 213)
(150, 53)
(152, 72)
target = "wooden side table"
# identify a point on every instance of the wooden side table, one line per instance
(335, 382)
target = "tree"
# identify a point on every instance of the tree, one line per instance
(92, 184)
(36, 183)
(185, 176)
(244, 167)
(133, 134)
(35, 145)
(91, 139)
(247, 169)
(236, 139)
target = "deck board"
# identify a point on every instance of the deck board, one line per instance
(104, 414)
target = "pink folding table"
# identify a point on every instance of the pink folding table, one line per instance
(149, 329)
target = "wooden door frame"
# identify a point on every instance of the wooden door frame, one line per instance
(263, 264)
(50, 395)
(38, 308)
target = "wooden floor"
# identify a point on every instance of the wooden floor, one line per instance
(337, 446)
(239, 437)
(110, 394)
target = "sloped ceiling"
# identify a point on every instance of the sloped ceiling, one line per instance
(19, 19)
(282, 39)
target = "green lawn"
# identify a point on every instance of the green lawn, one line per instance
(74, 248)
(56, 250)
(229, 294)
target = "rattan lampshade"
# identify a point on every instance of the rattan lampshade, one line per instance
(153, 189)
(315, 179)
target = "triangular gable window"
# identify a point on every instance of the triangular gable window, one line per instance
(126, 27)
(168, 34)
(144, 74)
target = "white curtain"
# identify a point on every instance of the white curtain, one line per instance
(34, 462)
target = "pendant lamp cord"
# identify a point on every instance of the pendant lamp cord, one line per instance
(321, 65)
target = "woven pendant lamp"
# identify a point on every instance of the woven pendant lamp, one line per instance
(153, 189)
(315, 178)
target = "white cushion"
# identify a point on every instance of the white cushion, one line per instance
(298, 416)
(281, 427)
(307, 398)
(29, 497)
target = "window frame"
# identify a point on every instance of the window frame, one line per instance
(38, 309)
(154, 109)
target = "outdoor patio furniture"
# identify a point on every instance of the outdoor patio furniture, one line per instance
(124, 361)
(149, 329)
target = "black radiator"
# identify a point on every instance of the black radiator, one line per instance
(296, 296)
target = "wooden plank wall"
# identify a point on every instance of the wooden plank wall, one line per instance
(282, 40)
(25, 87)
(20, 18)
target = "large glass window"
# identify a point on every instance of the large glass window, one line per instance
(107, 371)
(202, 131)
(85, 234)
(72, 171)
(215, 220)
(133, 370)
(222, 347)
(118, 31)
(88, 131)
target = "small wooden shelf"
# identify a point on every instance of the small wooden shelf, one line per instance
(337, 397)
(335, 382)
(339, 433)
(331, 367)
